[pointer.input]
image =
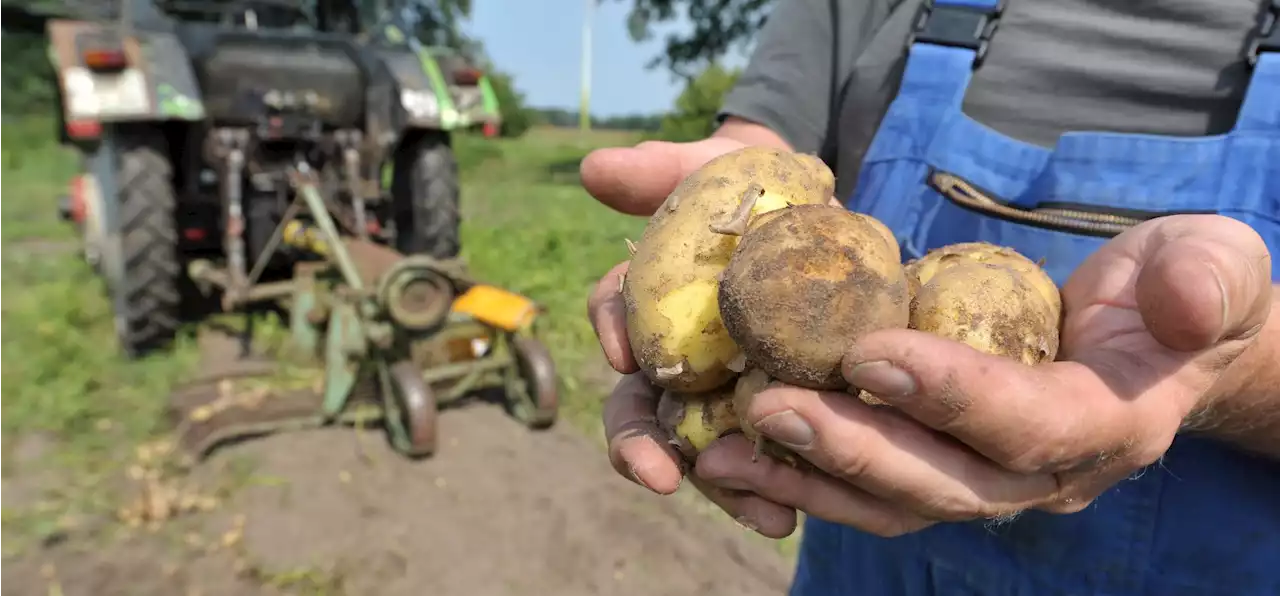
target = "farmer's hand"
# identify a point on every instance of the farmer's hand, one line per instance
(1151, 321)
(636, 181)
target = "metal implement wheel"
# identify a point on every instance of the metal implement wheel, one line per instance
(417, 405)
(537, 374)
(425, 187)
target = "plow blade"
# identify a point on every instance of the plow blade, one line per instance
(212, 414)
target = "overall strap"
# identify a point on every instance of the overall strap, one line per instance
(1261, 108)
(948, 41)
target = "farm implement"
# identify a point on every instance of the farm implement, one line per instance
(397, 336)
(293, 156)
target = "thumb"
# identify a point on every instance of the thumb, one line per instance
(1203, 279)
(635, 180)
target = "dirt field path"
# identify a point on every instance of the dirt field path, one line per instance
(500, 511)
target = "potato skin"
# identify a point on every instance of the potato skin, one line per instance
(673, 322)
(984, 252)
(991, 307)
(750, 382)
(694, 421)
(803, 286)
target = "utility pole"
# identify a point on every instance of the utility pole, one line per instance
(584, 104)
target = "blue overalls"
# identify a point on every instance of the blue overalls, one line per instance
(1204, 521)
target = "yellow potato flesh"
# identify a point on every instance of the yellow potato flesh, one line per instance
(698, 431)
(694, 421)
(671, 288)
(692, 308)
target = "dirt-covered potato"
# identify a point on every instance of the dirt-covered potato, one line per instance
(804, 285)
(693, 420)
(992, 307)
(925, 268)
(670, 291)
(750, 383)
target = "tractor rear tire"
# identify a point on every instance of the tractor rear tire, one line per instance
(147, 293)
(426, 190)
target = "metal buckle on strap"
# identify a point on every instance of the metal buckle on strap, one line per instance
(958, 26)
(1268, 37)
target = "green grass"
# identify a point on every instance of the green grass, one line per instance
(61, 374)
(528, 227)
(62, 378)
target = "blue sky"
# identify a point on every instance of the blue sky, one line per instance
(539, 42)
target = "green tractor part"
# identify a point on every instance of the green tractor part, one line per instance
(463, 92)
(397, 336)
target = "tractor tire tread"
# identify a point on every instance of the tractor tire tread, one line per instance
(431, 189)
(149, 246)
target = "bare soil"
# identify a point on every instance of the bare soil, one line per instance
(498, 510)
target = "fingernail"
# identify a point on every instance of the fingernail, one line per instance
(787, 428)
(635, 476)
(882, 379)
(747, 523)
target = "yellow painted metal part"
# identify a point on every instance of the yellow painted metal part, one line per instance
(298, 235)
(497, 307)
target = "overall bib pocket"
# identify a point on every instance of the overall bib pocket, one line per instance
(1061, 235)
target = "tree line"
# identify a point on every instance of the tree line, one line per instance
(692, 117)
(718, 26)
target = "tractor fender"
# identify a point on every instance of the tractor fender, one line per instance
(156, 82)
(463, 106)
(423, 99)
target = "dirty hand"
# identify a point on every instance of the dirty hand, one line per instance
(1151, 321)
(636, 180)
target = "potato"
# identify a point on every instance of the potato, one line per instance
(938, 259)
(750, 383)
(991, 307)
(671, 289)
(804, 285)
(693, 421)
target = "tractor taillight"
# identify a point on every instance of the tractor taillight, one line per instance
(467, 76)
(105, 59)
(83, 130)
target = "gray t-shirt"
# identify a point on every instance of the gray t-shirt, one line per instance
(1173, 67)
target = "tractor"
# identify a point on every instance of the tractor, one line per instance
(295, 153)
